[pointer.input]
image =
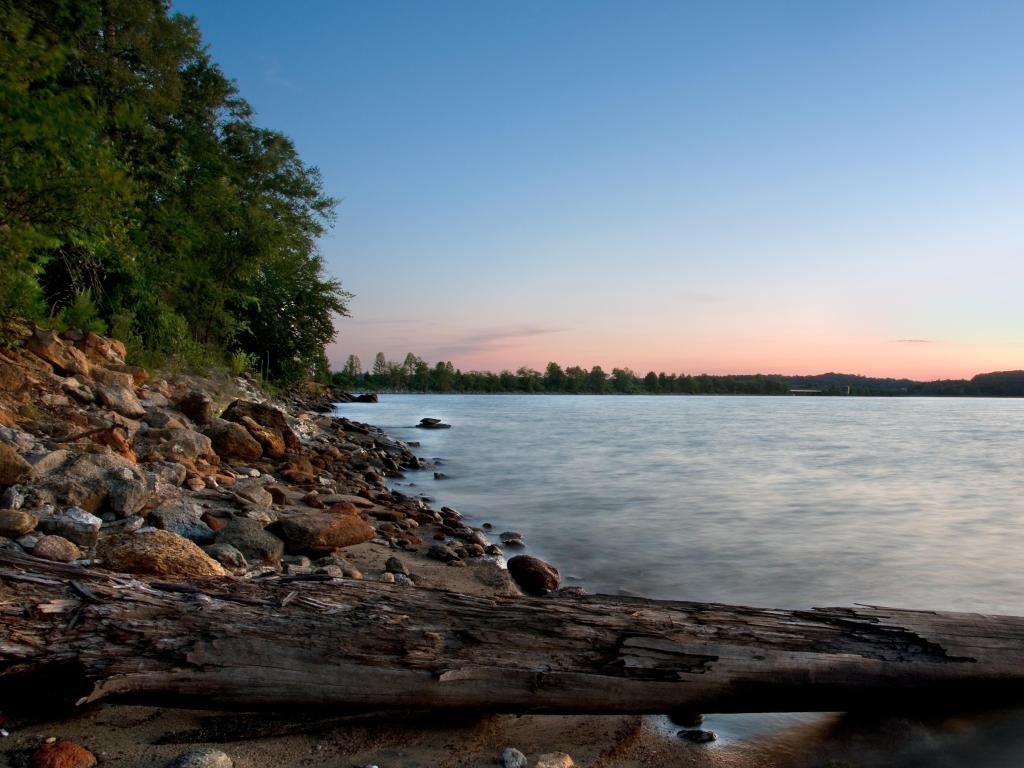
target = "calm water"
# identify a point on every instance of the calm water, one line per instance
(781, 502)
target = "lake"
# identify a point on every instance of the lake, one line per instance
(788, 502)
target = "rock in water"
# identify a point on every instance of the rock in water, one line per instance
(62, 754)
(533, 575)
(513, 758)
(202, 758)
(157, 553)
(555, 760)
(56, 548)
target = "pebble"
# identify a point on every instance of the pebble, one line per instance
(513, 758)
(394, 565)
(202, 758)
(696, 736)
(388, 578)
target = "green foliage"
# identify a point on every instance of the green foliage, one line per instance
(242, 362)
(81, 313)
(133, 175)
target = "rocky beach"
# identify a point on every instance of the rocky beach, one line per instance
(160, 478)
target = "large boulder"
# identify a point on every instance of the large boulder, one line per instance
(120, 399)
(533, 575)
(198, 406)
(64, 359)
(95, 482)
(249, 538)
(265, 415)
(15, 523)
(157, 553)
(13, 468)
(319, 533)
(184, 518)
(272, 442)
(173, 443)
(232, 441)
(100, 349)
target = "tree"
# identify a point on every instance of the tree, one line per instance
(597, 380)
(554, 378)
(651, 383)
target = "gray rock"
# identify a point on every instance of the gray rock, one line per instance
(120, 399)
(45, 462)
(394, 565)
(228, 556)
(513, 758)
(170, 472)
(251, 489)
(173, 443)
(202, 758)
(249, 538)
(442, 553)
(183, 518)
(7, 544)
(12, 498)
(74, 524)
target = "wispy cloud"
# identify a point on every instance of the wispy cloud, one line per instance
(488, 340)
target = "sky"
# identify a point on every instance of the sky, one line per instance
(696, 187)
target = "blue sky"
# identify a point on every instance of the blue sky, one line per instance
(721, 187)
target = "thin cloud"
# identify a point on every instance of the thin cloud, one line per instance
(484, 341)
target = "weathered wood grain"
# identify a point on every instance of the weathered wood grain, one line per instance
(352, 644)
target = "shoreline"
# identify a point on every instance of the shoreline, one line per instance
(149, 455)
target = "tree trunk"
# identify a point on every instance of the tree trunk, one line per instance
(286, 642)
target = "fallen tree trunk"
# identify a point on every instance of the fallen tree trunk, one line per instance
(285, 642)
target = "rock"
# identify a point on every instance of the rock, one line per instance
(100, 349)
(493, 550)
(232, 441)
(62, 754)
(93, 480)
(198, 406)
(43, 463)
(11, 498)
(318, 533)
(228, 556)
(184, 518)
(213, 522)
(176, 444)
(73, 523)
(63, 358)
(443, 553)
(555, 760)
(80, 392)
(387, 578)
(249, 538)
(170, 472)
(533, 575)
(267, 416)
(202, 758)
(13, 468)
(696, 736)
(120, 399)
(12, 546)
(157, 553)
(433, 424)
(107, 377)
(685, 718)
(271, 441)
(394, 565)
(15, 523)
(251, 489)
(127, 491)
(56, 548)
(513, 758)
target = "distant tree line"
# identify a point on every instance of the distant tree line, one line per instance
(414, 374)
(138, 195)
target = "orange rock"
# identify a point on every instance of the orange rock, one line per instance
(62, 754)
(213, 523)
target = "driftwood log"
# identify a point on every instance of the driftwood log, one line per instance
(286, 642)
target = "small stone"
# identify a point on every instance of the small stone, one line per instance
(403, 581)
(62, 754)
(56, 548)
(555, 760)
(696, 736)
(394, 565)
(493, 550)
(228, 556)
(202, 758)
(513, 758)
(12, 498)
(387, 578)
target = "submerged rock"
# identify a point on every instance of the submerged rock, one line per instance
(429, 423)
